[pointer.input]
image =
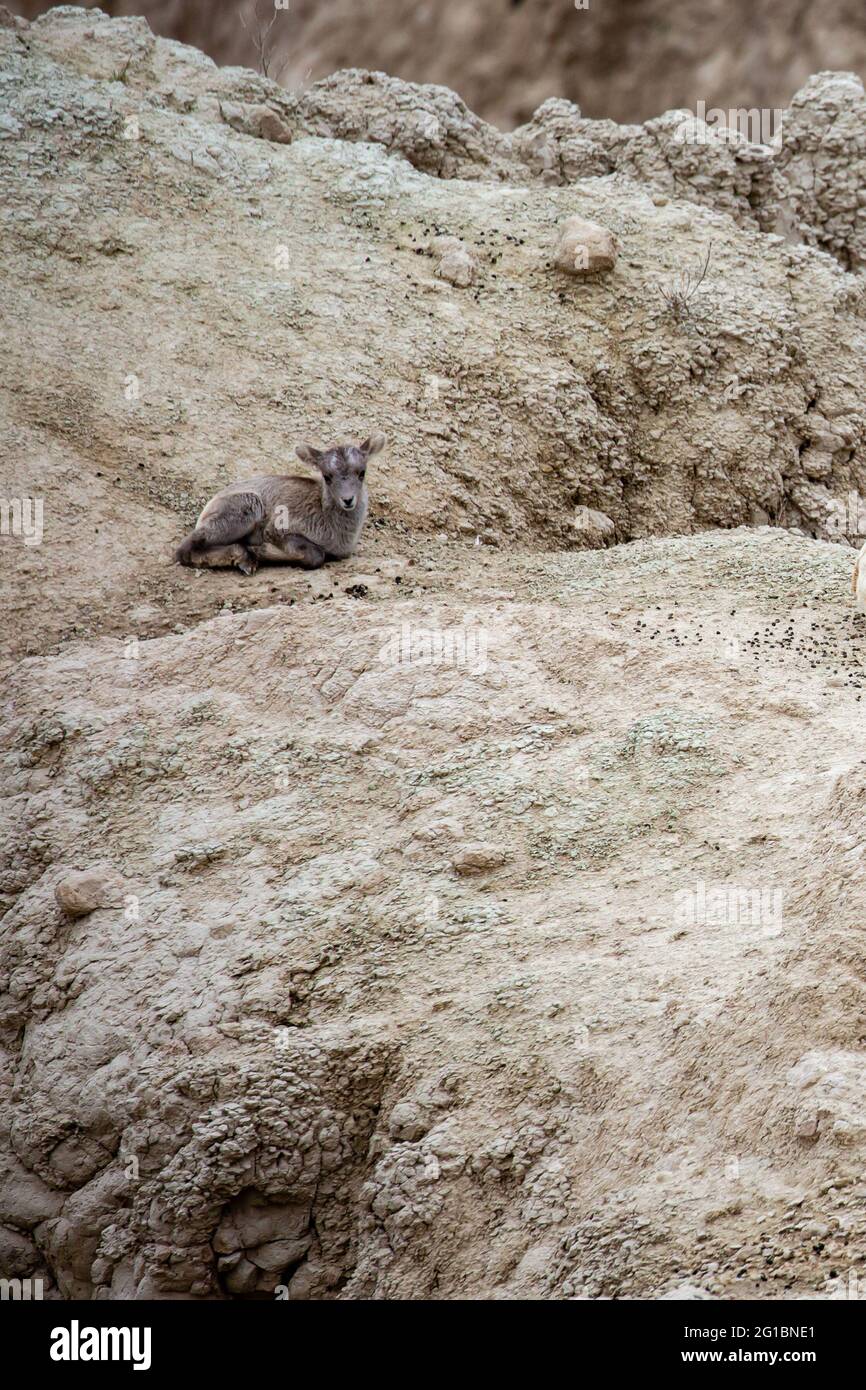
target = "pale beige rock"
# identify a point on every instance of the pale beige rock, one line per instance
(276, 1255)
(408, 1121)
(478, 858)
(453, 260)
(585, 248)
(593, 526)
(87, 890)
(806, 1124)
(256, 119)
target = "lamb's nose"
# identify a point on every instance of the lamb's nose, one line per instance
(348, 503)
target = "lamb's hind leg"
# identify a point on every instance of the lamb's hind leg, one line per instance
(230, 520)
(292, 549)
(222, 556)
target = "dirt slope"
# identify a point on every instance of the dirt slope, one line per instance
(412, 977)
(189, 302)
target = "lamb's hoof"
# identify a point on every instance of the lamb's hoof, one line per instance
(248, 565)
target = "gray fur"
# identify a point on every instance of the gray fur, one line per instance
(286, 519)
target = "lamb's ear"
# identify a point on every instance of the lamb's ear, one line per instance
(307, 454)
(373, 444)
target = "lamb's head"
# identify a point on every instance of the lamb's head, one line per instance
(343, 468)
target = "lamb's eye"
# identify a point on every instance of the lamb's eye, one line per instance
(362, 472)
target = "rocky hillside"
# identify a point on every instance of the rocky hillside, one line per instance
(481, 916)
(618, 59)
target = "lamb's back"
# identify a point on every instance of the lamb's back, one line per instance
(285, 488)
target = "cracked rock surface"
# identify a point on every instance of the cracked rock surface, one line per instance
(331, 1045)
(506, 57)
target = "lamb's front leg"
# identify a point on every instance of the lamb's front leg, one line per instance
(292, 549)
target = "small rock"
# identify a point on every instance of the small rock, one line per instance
(455, 264)
(84, 892)
(474, 859)
(585, 248)
(276, 1255)
(12, 21)
(256, 120)
(407, 1121)
(242, 1278)
(441, 245)
(594, 527)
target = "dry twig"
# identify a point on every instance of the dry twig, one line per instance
(679, 293)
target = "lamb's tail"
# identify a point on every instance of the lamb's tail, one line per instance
(194, 544)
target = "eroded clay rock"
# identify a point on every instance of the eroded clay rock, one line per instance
(454, 262)
(595, 528)
(83, 892)
(257, 120)
(585, 248)
(479, 858)
(408, 1121)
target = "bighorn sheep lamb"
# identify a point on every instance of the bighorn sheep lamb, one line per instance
(290, 520)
